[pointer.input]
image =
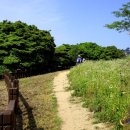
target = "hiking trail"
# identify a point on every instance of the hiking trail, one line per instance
(73, 115)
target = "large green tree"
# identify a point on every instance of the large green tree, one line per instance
(124, 15)
(90, 50)
(25, 46)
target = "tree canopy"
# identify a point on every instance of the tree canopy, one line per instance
(124, 15)
(25, 46)
(66, 54)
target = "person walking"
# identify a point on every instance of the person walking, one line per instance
(79, 59)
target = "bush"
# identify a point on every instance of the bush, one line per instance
(3, 69)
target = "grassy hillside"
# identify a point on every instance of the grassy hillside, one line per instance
(104, 87)
(38, 109)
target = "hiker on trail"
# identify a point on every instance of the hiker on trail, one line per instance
(79, 59)
(83, 59)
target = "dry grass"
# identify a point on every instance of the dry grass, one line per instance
(3, 96)
(38, 109)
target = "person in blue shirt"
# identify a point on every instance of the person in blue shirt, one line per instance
(79, 59)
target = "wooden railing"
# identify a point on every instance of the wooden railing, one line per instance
(8, 116)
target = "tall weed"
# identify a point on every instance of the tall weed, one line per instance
(104, 87)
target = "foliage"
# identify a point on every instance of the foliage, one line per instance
(25, 46)
(66, 54)
(90, 50)
(63, 57)
(111, 52)
(3, 69)
(104, 88)
(123, 24)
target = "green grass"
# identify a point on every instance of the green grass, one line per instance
(38, 105)
(104, 87)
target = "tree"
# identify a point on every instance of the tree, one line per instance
(90, 50)
(111, 52)
(66, 55)
(124, 24)
(25, 46)
(63, 58)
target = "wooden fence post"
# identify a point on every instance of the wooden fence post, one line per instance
(1, 120)
(8, 117)
(16, 86)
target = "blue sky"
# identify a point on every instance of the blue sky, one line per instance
(70, 21)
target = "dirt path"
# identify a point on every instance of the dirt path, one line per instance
(74, 117)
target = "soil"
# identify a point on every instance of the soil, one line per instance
(71, 112)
